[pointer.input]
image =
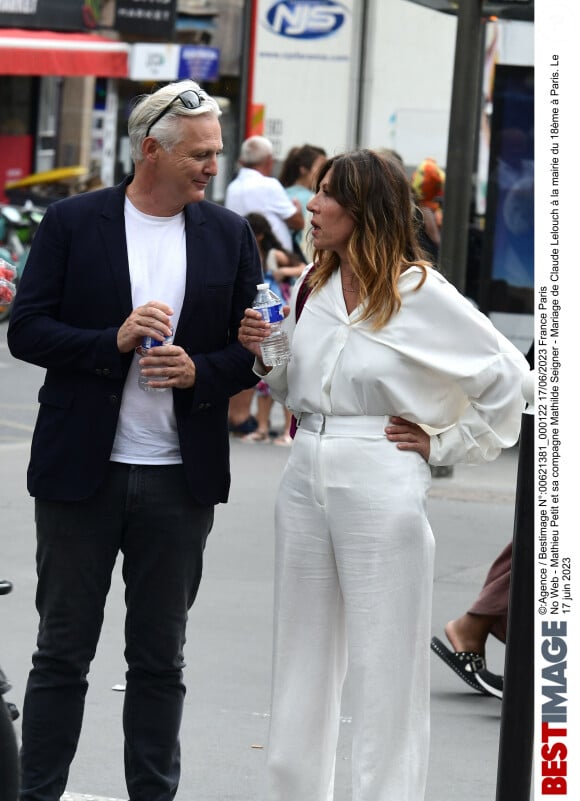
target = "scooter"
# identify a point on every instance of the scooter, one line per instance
(8, 740)
(17, 229)
(8, 281)
(14, 231)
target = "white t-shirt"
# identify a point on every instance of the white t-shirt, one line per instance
(251, 191)
(147, 430)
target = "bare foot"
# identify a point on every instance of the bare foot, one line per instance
(469, 632)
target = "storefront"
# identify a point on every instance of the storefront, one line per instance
(66, 95)
(52, 112)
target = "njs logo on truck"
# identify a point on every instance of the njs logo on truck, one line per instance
(301, 19)
(299, 49)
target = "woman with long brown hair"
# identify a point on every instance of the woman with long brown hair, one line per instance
(392, 370)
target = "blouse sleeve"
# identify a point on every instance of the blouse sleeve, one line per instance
(489, 370)
(490, 422)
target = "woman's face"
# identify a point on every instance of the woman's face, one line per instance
(332, 225)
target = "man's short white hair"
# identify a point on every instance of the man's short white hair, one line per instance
(255, 150)
(166, 132)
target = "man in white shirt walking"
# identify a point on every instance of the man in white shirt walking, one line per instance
(255, 190)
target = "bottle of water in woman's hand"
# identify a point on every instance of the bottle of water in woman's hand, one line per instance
(275, 348)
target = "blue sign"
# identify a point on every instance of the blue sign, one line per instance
(199, 63)
(305, 19)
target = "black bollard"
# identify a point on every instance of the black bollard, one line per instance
(514, 775)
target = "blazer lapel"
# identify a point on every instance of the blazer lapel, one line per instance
(196, 257)
(112, 224)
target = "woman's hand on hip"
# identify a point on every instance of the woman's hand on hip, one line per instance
(408, 436)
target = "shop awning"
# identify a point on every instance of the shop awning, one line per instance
(28, 52)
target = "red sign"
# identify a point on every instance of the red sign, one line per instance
(15, 160)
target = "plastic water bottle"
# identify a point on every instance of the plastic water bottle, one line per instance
(147, 344)
(275, 348)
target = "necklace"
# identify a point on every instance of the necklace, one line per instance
(345, 275)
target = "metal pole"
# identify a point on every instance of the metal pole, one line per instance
(461, 144)
(246, 67)
(514, 775)
(362, 73)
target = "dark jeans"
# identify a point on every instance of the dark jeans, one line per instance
(147, 514)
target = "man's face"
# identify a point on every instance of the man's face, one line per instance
(186, 171)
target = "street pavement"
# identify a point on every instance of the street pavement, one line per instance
(226, 715)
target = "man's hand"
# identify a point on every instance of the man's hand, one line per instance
(169, 362)
(151, 320)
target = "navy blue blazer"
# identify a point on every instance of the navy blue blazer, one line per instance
(74, 295)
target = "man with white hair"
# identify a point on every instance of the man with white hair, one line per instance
(115, 469)
(255, 190)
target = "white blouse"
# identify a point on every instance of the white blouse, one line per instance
(438, 362)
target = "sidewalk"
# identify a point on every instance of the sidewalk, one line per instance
(465, 725)
(228, 651)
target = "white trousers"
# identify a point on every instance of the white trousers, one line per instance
(353, 584)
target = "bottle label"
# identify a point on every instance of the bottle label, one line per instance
(272, 314)
(150, 342)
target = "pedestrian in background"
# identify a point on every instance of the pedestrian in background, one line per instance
(114, 469)
(280, 268)
(384, 345)
(428, 185)
(297, 176)
(254, 189)
(469, 633)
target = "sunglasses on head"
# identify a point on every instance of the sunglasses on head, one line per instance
(190, 99)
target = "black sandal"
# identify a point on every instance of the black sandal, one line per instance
(465, 663)
(241, 429)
